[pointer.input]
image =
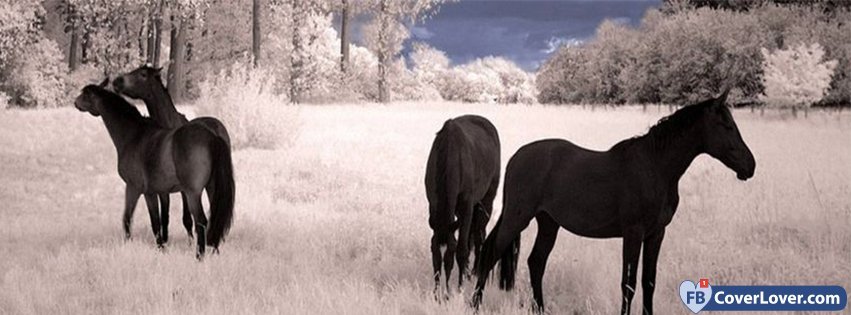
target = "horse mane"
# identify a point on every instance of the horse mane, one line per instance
(670, 127)
(115, 102)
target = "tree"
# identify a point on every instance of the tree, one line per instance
(31, 69)
(386, 32)
(182, 15)
(255, 32)
(155, 21)
(345, 13)
(796, 77)
(429, 64)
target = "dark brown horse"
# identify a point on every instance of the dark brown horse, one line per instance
(461, 181)
(153, 161)
(629, 191)
(145, 83)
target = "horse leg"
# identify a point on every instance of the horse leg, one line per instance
(187, 215)
(449, 261)
(131, 197)
(652, 245)
(436, 257)
(165, 202)
(463, 253)
(477, 231)
(154, 212)
(504, 234)
(482, 216)
(631, 250)
(195, 207)
(211, 191)
(544, 242)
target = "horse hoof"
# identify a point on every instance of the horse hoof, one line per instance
(476, 300)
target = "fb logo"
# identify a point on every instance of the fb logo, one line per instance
(695, 297)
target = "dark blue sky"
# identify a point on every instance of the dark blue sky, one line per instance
(524, 31)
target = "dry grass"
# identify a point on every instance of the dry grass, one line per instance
(337, 222)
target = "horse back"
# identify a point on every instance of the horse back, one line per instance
(464, 162)
(577, 187)
(147, 164)
(479, 153)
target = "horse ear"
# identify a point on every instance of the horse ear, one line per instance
(104, 83)
(722, 99)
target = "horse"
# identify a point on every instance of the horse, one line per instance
(629, 191)
(145, 83)
(153, 161)
(462, 176)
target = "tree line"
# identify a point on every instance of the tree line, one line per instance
(196, 38)
(776, 54)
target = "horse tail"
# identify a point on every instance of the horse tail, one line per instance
(508, 265)
(222, 201)
(507, 259)
(479, 266)
(445, 174)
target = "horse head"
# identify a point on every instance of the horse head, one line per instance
(723, 141)
(139, 83)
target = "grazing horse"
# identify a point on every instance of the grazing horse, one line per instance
(461, 181)
(145, 83)
(153, 161)
(629, 191)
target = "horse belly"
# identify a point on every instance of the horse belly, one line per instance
(588, 212)
(589, 225)
(161, 175)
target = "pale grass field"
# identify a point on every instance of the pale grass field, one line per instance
(337, 222)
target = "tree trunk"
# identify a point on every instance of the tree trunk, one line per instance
(383, 89)
(85, 46)
(177, 57)
(142, 40)
(188, 88)
(296, 62)
(155, 34)
(255, 31)
(72, 51)
(158, 32)
(149, 45)
(344, 36)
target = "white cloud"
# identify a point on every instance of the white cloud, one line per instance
(420, 32)
(554, 43)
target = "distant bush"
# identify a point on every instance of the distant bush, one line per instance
(32, 73)
(244, 100)
(84, 75)
(488, 80)
(796, 77)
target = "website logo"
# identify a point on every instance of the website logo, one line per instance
(704, 297)
(694, 296)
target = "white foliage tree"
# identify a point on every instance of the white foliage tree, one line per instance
(32, 73)
(489, 80)
(796, 77)
(429, 64)
(386, 32)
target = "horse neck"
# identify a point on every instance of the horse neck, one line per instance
(162, 110)
(673, 156)
(122, 128)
